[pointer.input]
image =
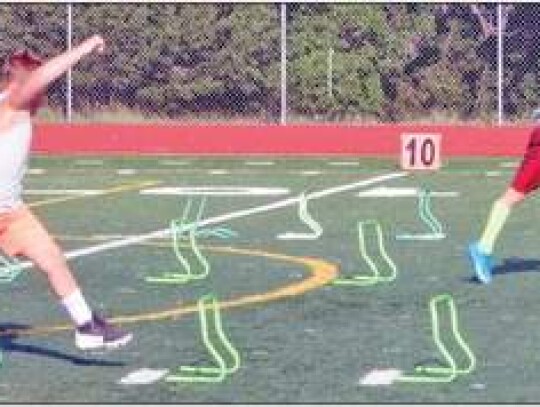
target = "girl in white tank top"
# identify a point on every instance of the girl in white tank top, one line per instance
(15, 140)
(21, 233)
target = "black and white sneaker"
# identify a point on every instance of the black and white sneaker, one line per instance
(99, 334)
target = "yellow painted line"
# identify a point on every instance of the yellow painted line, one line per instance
(321, 273)
(110, 191)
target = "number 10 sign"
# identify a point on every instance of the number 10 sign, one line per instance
(421, 151)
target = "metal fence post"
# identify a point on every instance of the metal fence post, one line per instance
(500, 66)
(283, 119)
(69, 96)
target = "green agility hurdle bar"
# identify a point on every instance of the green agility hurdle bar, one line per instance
(316, 230)
(448, 373)
(428, 218)
(224, 354)
(376, 275)
(190, 273)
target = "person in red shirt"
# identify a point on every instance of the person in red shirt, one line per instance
(526, 180)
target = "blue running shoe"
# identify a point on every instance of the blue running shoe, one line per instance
(482, 263)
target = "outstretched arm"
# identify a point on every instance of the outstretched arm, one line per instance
(42, 77)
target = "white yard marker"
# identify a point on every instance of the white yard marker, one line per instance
(163, 233)
(143, 376)
(509, 164)
(215, 191)
(383, 377)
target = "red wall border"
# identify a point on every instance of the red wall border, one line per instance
(326, 139)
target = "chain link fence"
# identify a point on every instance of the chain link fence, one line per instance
(179, 61)
(388, 63)
(350, 62)
(189, 62)
(42, 29)
(521, 60)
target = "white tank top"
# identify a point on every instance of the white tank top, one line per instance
(14, 151)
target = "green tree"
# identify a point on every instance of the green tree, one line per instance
(37, 27)
(370, 45)
(178, 58)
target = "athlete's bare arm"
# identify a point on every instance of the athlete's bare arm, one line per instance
(42, 77)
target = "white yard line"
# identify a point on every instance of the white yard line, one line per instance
(61, 192)
(174, 162)
(344, 163)
(117, 244)
(509, 164)
(393, 192)
(218, 172)
(215, 191)
(36, 171)
(126, 171)
(259, 163)
(89, 162)
(310, 173)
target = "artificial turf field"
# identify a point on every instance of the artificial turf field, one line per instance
(309, 343)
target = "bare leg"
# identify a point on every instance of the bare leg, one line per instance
(511, 197)
(32, 240)
(26, 236)
(497, 218)
(51, 261)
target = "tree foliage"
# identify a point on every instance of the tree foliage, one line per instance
(346, 61)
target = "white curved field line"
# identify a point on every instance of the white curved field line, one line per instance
(163, 233)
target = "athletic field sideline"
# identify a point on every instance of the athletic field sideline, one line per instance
(301, 339)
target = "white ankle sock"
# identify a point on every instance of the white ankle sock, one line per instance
(77, 308)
